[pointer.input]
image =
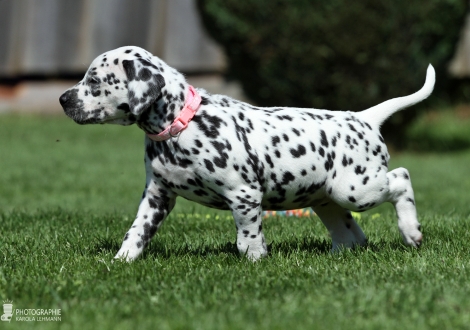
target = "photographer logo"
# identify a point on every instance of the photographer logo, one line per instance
(30, 314)
(7, 310)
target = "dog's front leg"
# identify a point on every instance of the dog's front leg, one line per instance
(154, 208)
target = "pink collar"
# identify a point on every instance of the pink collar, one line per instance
(193, 100)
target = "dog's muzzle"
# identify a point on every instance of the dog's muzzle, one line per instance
(69, 99)
(73, 107)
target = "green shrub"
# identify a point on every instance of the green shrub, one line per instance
(335, 54)
(441, 131)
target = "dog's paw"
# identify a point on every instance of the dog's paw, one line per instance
(126, 256)
(253, 252)
(256, 255)
(413, 237)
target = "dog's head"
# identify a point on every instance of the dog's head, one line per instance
(118, 86)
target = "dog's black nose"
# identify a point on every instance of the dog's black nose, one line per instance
(64, 98)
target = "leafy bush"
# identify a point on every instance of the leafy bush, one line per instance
(335, 54)
(441, 131)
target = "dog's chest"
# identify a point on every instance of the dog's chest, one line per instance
(178, 169)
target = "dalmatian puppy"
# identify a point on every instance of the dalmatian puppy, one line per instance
(230, 155)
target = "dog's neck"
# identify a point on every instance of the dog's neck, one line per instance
(168, 105)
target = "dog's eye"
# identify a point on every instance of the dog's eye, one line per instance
(93, 80)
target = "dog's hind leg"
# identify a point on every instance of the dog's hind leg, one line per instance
(400, 194)
(344, 230)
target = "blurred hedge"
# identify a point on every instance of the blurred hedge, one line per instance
(336, 54)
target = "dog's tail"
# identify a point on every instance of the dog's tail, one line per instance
(379, 113)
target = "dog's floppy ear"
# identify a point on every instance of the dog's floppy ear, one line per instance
(144, 84)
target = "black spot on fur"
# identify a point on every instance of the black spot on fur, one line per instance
(209, 165)
(145, 74)
(129, 68)
(287, 177)
(268, 160)
(329, 162)
(275, 140)
(124, 107)
(323, 139)
(205, 100)
(300, 151)
(359, 170)
(312, 146)
(208, 124)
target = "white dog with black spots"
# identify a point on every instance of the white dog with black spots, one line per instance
(231, 155)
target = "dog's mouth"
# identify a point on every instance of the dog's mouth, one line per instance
(87, 121)
(80, 117)
(97, 116)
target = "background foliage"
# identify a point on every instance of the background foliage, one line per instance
(336, 54)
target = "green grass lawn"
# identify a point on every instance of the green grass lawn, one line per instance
(68, 194)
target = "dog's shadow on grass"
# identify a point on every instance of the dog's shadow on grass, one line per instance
(316, 246)
(158, 249)
(284, 247)
(310, 245)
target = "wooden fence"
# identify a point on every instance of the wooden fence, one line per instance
(62, 37)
